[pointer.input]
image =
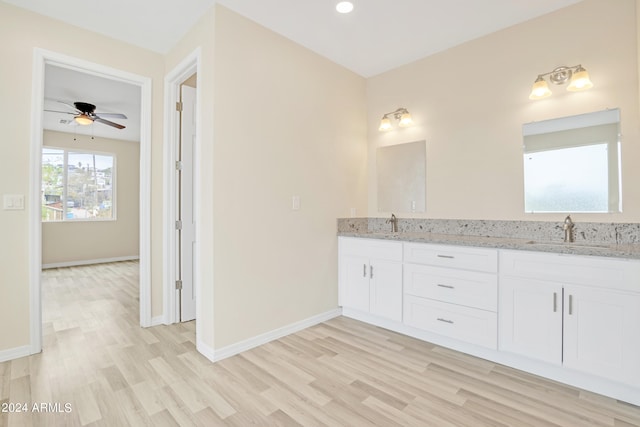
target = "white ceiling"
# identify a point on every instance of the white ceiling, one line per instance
(377, 36)
(380, 35)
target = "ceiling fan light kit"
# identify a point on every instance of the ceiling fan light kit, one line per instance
(85, 115)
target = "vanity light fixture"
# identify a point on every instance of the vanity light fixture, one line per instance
(83, 119)
(576, 75)
(400, 114)
(344, 7)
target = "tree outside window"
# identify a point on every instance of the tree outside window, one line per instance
(77, 185)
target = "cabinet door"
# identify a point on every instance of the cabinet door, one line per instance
(530, 318)
(386, 289)
(601, 333)
(354, 282)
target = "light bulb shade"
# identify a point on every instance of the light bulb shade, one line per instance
(83, 119)
(540, 89)
(405, 120)
(580, 81)
(385, 124)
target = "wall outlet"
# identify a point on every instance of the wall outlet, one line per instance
(295, 203)
(353, 212)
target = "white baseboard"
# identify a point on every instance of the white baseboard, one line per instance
(205, 350)
(158, 320)
(15, 353)
(89, 262)
(233, 349)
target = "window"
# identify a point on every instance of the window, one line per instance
(77, 185)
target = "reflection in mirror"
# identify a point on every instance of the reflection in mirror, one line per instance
(402, 177)
(572, 164)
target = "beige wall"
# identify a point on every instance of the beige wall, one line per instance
(68, 242)
(22, 31)
(287, 122)
(470, 102)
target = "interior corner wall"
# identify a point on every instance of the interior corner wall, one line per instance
(21, 32)
(287, 123)
(469, 103)
(69, 242)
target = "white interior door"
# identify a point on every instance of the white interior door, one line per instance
(186, 211)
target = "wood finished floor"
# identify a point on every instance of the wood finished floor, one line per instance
(338, 373)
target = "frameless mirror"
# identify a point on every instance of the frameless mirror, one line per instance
(572, 164)
(401, 171)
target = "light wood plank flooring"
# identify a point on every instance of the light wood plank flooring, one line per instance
(109, 372)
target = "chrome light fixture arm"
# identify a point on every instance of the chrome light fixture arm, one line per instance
(401, 114)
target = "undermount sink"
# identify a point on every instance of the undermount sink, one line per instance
(567, 245)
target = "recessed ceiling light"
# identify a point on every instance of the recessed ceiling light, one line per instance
(344, 7)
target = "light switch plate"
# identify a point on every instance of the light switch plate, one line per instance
(295, 203)
(13, 202)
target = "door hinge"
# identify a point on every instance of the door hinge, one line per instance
(178, 225)
(178, 285)
(178, 165)
(178, 106)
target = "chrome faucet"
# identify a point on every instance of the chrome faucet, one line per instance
(394, 223)
(568, 229)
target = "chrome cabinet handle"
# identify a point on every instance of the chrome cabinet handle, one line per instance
(440, 319)
(570, 304)
(555, 302)
(440, 285)
(364, 270)
(446, 256)
(371, 272)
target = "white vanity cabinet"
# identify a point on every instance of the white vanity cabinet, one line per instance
(582, 313)
(370, 276)
(452, 291)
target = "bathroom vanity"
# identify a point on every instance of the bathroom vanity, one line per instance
(570, 313)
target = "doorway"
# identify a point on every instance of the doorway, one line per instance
(43, 58)
(181, 182)
(185, 212)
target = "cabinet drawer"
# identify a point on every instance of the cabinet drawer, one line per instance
(370, 248)
(462, 323)
(610, 273)
(468, 288)
(461, 257)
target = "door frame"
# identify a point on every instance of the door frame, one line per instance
(190, 65)
(41, 58)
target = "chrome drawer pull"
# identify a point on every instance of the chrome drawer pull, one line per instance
(440, 285)
(364, 270)
(371, 272)
(446, 256)
(555, 302)
(445, 320)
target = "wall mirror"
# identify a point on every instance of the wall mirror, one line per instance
(401, 175)
(572, 164)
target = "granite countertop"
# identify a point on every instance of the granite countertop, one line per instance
(629, 250)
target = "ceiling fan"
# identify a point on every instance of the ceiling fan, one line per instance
(85, 114)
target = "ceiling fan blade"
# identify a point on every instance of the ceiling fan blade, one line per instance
(62, 112)
(69, 105)
(112, 115)
(107, 122)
